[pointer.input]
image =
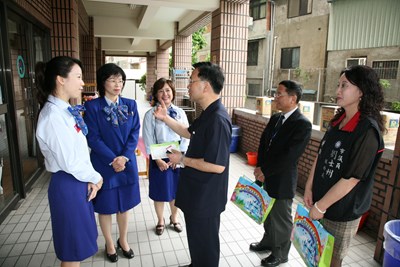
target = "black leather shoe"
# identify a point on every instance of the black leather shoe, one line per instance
(128, 254)
(111, 257)
(272, 261)
(256, 246)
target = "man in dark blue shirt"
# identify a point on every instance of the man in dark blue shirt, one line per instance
(203, 186)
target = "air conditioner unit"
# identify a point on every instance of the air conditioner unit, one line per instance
(356, 61)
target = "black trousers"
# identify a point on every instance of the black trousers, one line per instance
(203, 240)
(278, 228)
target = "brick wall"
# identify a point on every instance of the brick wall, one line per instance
(252, 126)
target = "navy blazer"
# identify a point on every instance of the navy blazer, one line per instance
(108, 142)
(278, 160)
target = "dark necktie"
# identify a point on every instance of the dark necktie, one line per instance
(76, 112)
(117, 113)
(278, 124)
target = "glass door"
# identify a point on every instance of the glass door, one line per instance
(7, 190)
(21, 56)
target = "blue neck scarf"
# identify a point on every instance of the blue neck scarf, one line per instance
(76, 112)
(117, 113)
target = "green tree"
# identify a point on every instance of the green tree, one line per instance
(198, 43)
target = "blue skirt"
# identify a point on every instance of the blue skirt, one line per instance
(118, 199)
(72, 218)
(162, 185)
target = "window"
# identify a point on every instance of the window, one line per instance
(252, 53)
(386, 69)
(290, 58)
(254, 89)
(356, 61)
(299, 8)
(258, 9)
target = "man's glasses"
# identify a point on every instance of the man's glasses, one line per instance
(192, 81)
(116, 82)
(276, 95)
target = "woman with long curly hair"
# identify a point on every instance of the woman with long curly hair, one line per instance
(339, 186)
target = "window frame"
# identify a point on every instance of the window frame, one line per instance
(256, 6)
(390, 73)
(304, 8)
(292, 66)
(252, 53)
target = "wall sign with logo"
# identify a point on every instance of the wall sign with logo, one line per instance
(21, 67)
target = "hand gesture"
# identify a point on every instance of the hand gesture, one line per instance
(175, 157)
(161, 111)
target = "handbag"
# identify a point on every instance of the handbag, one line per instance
(252, 199)
(311, 240)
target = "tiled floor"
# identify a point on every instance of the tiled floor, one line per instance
(26, 239)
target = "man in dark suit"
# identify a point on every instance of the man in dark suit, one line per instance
(282, 143)
(203, 185)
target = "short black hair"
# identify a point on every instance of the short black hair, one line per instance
(293, 88)
(104, 72)
(211, 73)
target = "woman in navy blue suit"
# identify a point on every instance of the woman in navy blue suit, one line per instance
(114, 125)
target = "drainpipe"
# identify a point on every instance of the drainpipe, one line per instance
(272, 45)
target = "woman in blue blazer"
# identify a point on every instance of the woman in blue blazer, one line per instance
(114, 125)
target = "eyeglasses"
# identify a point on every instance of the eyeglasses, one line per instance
(116, 82)
(276, 95)
(191, 81)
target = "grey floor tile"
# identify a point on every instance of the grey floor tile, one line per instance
(10, 261)
(23, 261)
(26, 236)
(17, 250)
(36, 260)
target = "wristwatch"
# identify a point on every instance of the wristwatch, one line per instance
(181, 162)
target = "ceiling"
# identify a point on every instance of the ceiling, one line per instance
(138, 27)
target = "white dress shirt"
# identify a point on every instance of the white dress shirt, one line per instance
(63, 144)
(157, 132)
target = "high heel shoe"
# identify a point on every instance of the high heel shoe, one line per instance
(177, 226)
(128, 254)
(111, 257)
(160, 228)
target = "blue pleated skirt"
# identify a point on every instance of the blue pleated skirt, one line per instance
(162, 184)
(72, 218)
(118, 199)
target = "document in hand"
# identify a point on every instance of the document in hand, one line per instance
(311, 240)
(252, 199)
(159, 151)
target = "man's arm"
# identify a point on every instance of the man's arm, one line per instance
(201, 165)
(176, 157)
(161, 114)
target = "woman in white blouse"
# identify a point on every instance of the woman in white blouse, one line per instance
(163, 179)
(74, 182)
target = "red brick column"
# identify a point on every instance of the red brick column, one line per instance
(65, 34)
(182, 52)
(229, 36)
(162, 63)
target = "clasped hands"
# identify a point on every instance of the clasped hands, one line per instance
(119, 163)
